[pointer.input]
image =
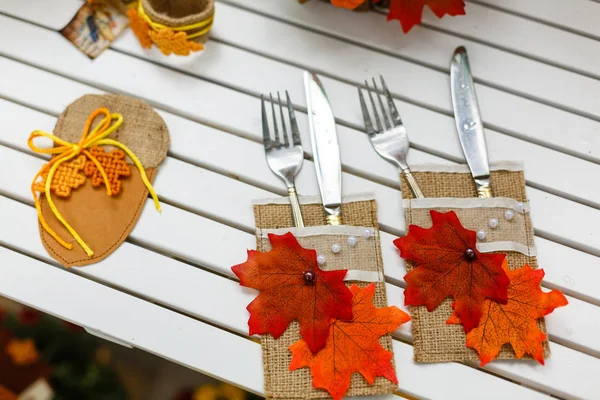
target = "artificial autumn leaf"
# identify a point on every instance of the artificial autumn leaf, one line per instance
(410, 12)
(448, 264)
(516, 321)
(352, 346)
(349, 4)
(22, 352)
(293, 287)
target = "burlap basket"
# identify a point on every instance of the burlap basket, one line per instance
(178, 13)
(434, 340)
(360, 213)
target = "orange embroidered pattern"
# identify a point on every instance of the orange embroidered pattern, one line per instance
(140, 28)
(170, 42)
(22, 352)
(114, 165)
(65, 179)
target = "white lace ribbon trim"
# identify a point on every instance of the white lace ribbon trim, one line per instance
(462, 168)
(363, 276)
(451, 202)
(315, 199)
(507, 246)
(317, 230)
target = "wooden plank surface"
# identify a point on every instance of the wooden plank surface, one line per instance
(154, 241)
(502, 72)
(42, 73)
(580, 16)
(193, 92)
(526, 37)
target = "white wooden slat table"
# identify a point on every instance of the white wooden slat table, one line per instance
(537, 83)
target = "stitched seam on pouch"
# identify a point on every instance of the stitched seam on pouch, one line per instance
(113, 246)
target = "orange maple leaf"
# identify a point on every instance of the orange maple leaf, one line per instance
(448, 264)
(22, 351)
(293, 287)
(65, 179)
(516, 321)
(114, 164)
(410, 12)
(349, 4)
(352, 346)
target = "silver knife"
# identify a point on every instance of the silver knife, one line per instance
(468, 121)
(326, 150)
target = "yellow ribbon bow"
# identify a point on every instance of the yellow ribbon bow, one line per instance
(67, 151)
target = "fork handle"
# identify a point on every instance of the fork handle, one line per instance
(412, 183)
(296, 213)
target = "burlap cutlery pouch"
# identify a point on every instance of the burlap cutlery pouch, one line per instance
(452, 188)
(365, 265)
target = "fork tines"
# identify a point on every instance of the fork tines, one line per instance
(275, 142)
(389, 116)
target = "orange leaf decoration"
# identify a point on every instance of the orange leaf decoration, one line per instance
(516, 321)
(293, 287)
(448, 264)
(352, 346)
(65, 179)
(410, 12)
(349, 4)
(170, 42)
(114, 165)
(140, 28)
(22, 352)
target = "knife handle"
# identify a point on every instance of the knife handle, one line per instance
(412, 183)
(296, 213)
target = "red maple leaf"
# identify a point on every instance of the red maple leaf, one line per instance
(448, 264)
(410, 12)
(516, 321)
(293, 287)
(352, 346)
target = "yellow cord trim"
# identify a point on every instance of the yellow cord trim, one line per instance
(206, 24)
(66, 151)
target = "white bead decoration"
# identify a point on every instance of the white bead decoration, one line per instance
(520, 207)
(493, 223)
(336, 248)
(352, 241)
(481, 235)
(509, 214)
(367, 233)
(321, 259)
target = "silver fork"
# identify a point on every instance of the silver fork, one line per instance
(285, 159)
(390, 143)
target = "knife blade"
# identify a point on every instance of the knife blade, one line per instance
(326, 150)
(468, 121)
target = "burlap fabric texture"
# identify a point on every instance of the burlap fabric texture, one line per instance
(178, 13)
(103, 221)
(280, 383)
(434, 340)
